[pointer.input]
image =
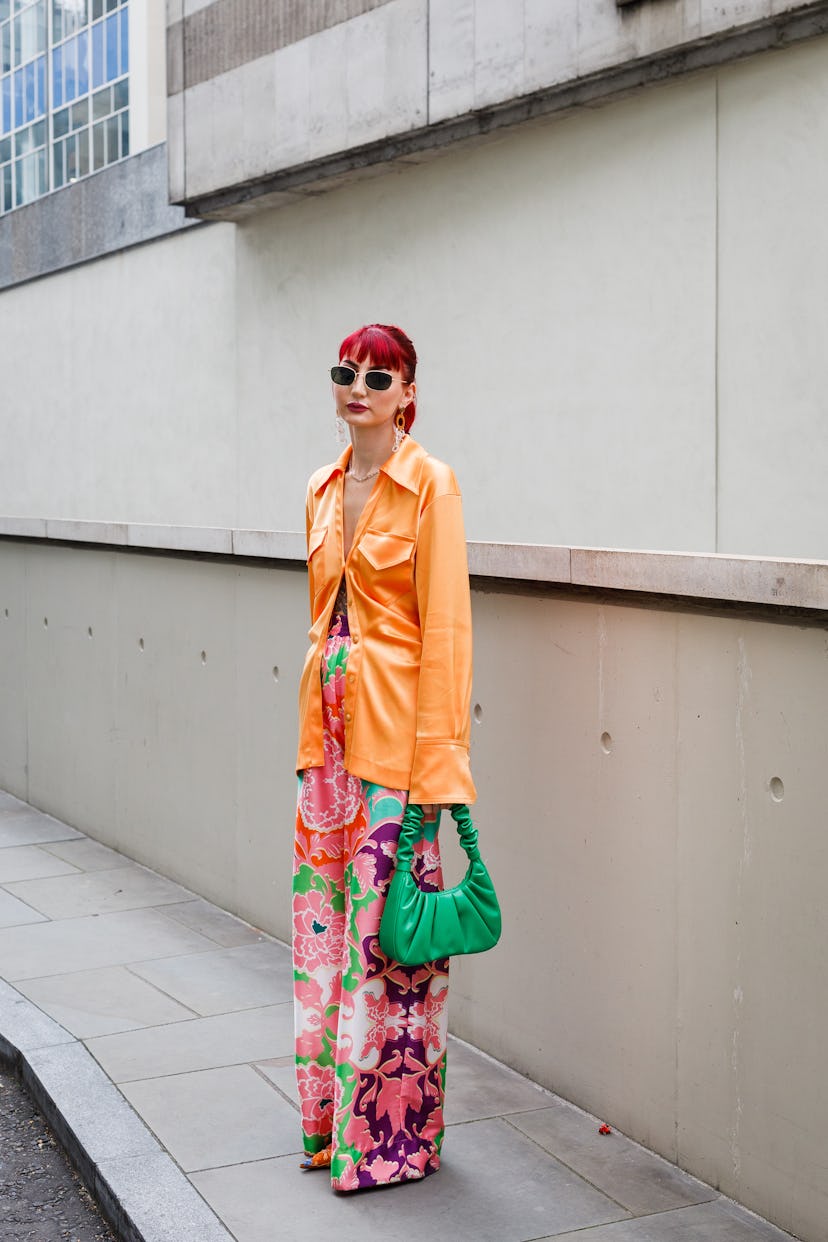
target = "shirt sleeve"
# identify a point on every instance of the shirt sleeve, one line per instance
(441, 770)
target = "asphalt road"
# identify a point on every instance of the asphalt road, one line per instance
(42, 1198)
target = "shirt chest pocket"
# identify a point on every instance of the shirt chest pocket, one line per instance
(386, 565)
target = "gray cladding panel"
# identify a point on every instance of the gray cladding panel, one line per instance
(230, 33)
(121, 206)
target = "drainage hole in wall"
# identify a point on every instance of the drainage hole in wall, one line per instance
(275, 672)
(777, 789)
(477, 712)
(7, 612)
(140, 644)
(45, 622)
(204, 657)
(606, 743)
(89, 631)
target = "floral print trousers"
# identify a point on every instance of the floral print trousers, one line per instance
(370, 1033)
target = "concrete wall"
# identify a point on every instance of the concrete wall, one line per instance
(652, 787)
(610, 329)
(267, 97)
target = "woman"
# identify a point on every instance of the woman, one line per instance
(387, 720)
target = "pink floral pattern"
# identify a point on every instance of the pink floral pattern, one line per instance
(370, 1033)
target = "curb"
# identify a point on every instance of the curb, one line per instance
(142, 1193)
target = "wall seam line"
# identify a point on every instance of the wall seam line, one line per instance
(716, 325)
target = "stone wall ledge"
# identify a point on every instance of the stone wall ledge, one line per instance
(751, 580)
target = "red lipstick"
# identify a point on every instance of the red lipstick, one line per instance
(355, 407)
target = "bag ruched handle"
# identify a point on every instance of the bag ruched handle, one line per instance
(411, 828)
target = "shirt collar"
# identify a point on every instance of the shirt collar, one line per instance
(326, 473)
(404, 467)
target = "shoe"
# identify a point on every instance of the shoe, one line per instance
(321, 1160)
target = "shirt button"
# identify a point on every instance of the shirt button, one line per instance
(352, 677)
(347, 715)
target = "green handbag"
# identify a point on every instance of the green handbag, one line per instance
(420, 927)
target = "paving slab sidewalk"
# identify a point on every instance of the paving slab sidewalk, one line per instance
(156, 1032)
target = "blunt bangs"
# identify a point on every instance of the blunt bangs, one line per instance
(373, 343)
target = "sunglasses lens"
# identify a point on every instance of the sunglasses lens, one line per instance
(380, 381)
(343, 375)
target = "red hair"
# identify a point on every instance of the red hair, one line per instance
(387, 347)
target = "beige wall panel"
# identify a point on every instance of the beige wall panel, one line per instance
(710, 813)
(72, 731)
(13, 688)
(176, 757)
(783, 1097)
(751, 1084)
(773, 366)
(271, 634)
(542, 277)
(121, 404)
(582, 844)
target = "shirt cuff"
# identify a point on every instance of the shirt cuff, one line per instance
(441, 773)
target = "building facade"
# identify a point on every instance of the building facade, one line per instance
(603, 225)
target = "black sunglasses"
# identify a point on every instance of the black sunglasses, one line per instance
(380, 381)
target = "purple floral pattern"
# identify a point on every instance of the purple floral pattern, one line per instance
(370, 1033)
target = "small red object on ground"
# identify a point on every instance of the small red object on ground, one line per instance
(604, 1129)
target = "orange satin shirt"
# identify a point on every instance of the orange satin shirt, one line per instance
(408, 686)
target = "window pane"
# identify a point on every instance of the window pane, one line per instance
(113, 131)
(7, 187)
(67, 17)
(30, 32)
(83, 72)
(97, 9)
(79, 114)
(29, 88)
(57, 77)
(120, 92)
(57, 165)
(61, 123)
(124, 119)
(111, 24)
(123, 17)
(98, 145)
(5, 9)
(19, 116)
(5, 48)
(70, 70)
(101, 104)
(82, 152)
(110, 5)
(6, 107)
(40, 85)
(5, 150)
(97, 54)
(30, 177)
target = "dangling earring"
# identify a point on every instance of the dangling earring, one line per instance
(399, 428)
(341, 434)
